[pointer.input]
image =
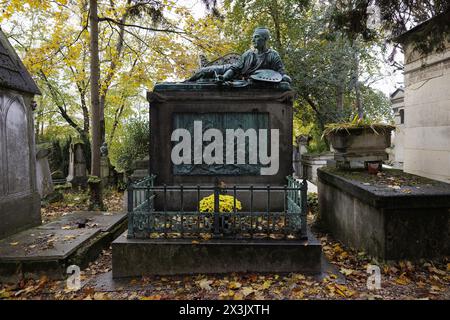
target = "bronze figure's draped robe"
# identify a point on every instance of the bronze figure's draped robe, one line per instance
(251, 61)
(248, 63)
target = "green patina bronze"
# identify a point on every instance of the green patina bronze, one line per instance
(220, 121)
(261, 57)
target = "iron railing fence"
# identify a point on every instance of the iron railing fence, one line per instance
(146, 220)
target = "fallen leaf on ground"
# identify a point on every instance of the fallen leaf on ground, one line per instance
(267, 284)
(205, 284)
(346, 272)
(247, 291)
(402, 280)
(154, 297)
(234, 285)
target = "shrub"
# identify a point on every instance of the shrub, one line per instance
(134, 145)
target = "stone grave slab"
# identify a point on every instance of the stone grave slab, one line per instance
(49, 249)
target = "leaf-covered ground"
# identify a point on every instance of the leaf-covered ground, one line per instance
(79, 201)
(402, 280)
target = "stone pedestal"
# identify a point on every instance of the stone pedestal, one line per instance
(145, 257)
(104, 170)
(179, 105)
(221, 107)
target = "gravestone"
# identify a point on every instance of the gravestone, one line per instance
(43, 174)
(77, 166)
(19, 199)
(302, 143)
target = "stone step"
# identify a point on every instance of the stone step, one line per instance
(145, 257)
(76, 238)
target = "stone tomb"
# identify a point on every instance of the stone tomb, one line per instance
(178, 106)
(366, 212)
(19, 199)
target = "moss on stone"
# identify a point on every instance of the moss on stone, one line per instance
(385, 177)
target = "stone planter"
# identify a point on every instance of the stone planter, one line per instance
(360, 145)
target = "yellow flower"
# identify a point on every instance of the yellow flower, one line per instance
(226, 204)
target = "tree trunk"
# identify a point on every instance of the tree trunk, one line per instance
(340, 99)
(95, 184)
(359, 106)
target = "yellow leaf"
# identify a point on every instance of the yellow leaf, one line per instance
(155, 297)
(195, 242)
(4, 294)
(238, 296)
(448, 267)
(14, 243)
(402, 280)
(267, 284)
(299, 277)
(247, 291)
(343, 255)
(234, 285)
(346, 272)
(100, 296)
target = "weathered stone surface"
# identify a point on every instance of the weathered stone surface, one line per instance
(360, 145)
(19, 213)
(311, 162)
(169, 99)
(409, 223)
(19, 200)
(44, 181)
(49, 249)
(77, 166)
(133, 257)
(427, 112)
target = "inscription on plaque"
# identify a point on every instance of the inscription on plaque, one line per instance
(240, 135)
